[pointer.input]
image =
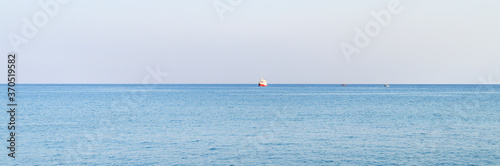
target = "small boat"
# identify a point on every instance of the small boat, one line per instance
(344, 85)
(262, 82)
(386, 85)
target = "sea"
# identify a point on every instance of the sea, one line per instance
(241, 124)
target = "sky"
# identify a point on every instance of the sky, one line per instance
(240, 41)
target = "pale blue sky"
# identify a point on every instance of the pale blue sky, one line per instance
(286, 41)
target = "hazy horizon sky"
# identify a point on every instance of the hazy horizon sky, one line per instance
(286, 41)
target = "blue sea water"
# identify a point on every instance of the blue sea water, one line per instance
(250, 125)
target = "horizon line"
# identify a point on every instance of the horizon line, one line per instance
(251, 84)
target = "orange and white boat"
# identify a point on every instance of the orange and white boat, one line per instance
(262, 82)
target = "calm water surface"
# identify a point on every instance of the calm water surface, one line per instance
(249, 125)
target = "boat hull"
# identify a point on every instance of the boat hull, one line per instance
(262, 82)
